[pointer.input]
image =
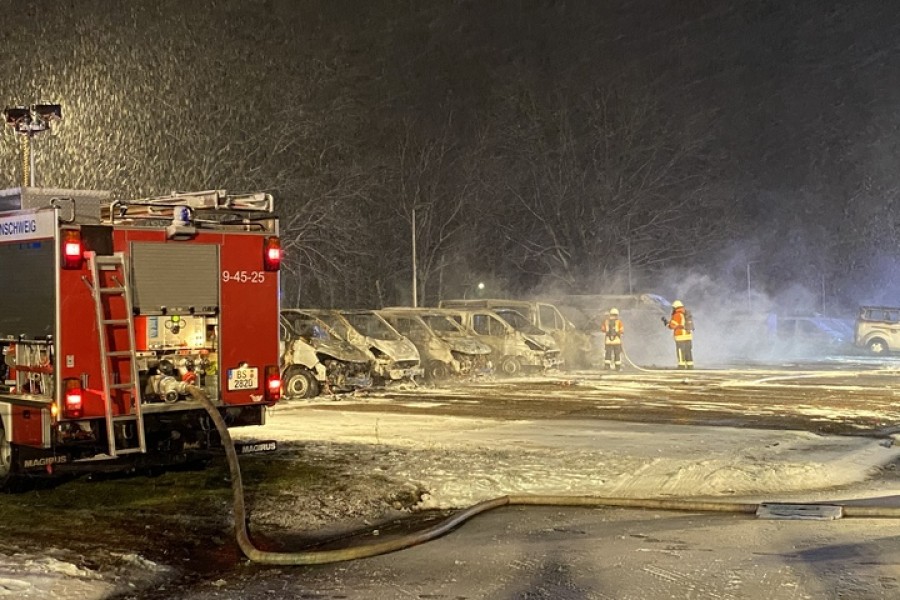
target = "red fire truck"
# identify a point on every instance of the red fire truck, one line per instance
(117, 317)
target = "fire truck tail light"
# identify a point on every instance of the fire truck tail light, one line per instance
(273, 385)
(272, 254)
(73, 407)
(72, 251)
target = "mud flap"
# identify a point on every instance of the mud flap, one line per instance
(257, 447)
(26, 459)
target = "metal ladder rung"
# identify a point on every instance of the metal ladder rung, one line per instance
(107, 259)
(115, 321)
(120, 353)
(121, 386)
(111, 290)
(120, 451)
(119, 418)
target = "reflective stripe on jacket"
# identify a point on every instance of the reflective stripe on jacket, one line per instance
(676, 324)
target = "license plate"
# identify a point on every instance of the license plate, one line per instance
(244, 378)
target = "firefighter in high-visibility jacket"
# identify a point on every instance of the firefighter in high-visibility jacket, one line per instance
(613, 329)
(682, 327)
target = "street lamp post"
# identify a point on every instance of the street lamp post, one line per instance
(28, 122)
(415, 283)
(630, 285)
(749, 288)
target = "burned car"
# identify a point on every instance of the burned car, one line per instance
(513, 351)
(314, 358)
(395, 357)
(445, 348)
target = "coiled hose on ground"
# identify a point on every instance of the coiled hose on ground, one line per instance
(447, 525)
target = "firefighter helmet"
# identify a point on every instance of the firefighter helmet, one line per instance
(614, 311)
(677, 304)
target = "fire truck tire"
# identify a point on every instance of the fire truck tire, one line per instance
(300, 383)
(510, 365)
(5, 459)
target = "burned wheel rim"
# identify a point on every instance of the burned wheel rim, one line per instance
(301, 384)
(5, 455)
(438, 370)
(510, 366)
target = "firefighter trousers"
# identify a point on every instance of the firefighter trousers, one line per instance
(613, 356)
(685, 353)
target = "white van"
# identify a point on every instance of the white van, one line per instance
(878, 329)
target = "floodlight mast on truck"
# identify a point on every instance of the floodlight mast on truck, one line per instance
(28, 122)
(117, 317)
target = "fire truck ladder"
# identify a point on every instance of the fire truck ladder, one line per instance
(110, 281)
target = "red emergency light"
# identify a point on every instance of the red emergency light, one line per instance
(272, 254)
(72, 250)
(73, 407)
(273, 385)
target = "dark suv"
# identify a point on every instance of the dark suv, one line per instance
(878, 329)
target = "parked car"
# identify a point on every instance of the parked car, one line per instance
(444, 346)
(812, 334)
(878, 329)
(575, 345)
(395, 357)
(315, 358)
(514, 351)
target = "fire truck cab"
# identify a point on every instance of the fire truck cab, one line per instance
(117, 317)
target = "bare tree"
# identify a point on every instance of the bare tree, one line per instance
(602, 182)
(436, 179)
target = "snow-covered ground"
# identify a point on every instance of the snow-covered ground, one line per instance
(460, 461)
(55, 574)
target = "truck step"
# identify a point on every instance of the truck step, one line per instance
(120, 451)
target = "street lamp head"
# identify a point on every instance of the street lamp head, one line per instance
(480, 285)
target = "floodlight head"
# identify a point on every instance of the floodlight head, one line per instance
(48, 112)
(16, 114)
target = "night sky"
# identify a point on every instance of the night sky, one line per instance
(539, 142)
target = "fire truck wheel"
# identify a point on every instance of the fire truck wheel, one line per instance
(300, 383)
(5, 458)
(510, 365)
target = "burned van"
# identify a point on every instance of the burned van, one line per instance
(513, 351)
(395, 358)
(575, 345)
(314, 358)
(445, 348)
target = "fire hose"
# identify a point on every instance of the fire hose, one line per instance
(366, 551)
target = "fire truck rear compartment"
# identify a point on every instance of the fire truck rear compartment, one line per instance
(172, 437)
